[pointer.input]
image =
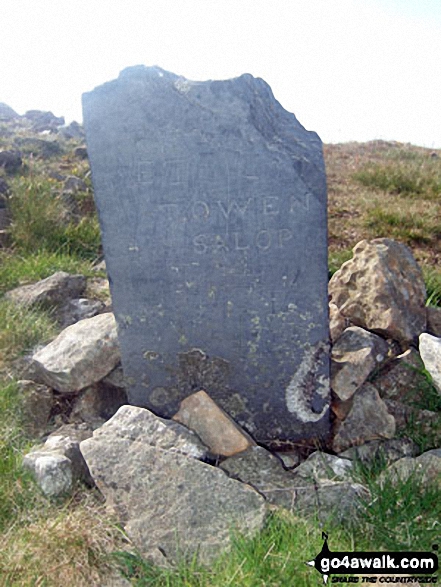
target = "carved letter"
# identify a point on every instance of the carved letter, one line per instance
(237, 246)
(270, 205)
(263, 240)
(219, 244)
(199, 244)
(233, 205)
(284, 236)
(200, 209)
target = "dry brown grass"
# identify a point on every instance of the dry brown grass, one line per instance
(357, 211)
(71, 547)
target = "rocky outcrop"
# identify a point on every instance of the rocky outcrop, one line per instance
(213, 425)
(81, 355)
(382, 289)
(165, 498)
(10, 161)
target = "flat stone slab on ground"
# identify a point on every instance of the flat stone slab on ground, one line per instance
(212, 203)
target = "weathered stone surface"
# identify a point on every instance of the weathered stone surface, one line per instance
(7, 113)
(140, 425)
(79, 309)
(426, 422)
(52, 291)
(42, 120)
(382, 289)
(98, 403)
(426, 468)
(402, 379)
(434, 321)
(337, 322)
(367, 420)
(212, 202)
(72, 131)
(354, 356)
(165, 499)
(81, 355)
(321, 466)
(389, 450)
(213, 426)
(70, 448)
(52, 472)
(309, 493)
(36, 405)
(430, 351)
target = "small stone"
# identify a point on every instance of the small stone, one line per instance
(53, 472)
(81, 355)
(73, 185)
(214, 426)
(320, 466)
(426, 468)
(70, 448)
(382, 289)
(79, 309)
(354, 357)
(49, 292)
(367, 420)
(430, 351)
(81, 153)
(11, 161)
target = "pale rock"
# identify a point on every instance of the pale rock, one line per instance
(382, 289)
(355, 355)
(402, 378)
(142, 426)
(36, 402)
(165, 499)
(337, 322)
(426, 468)
(320, 466)
(81, 355)
(214, 426)
(49, 292)
(367, 420)
(434, 321)
(430, 351)
(52, 472)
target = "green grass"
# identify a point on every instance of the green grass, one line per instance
(336, 260)
(403, 225)
(432, 279)
(40, 221)
(22, 268)
(414, 176)
(22, 328)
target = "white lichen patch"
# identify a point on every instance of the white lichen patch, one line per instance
(298, 395)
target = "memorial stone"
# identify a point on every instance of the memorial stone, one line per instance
(212, 206)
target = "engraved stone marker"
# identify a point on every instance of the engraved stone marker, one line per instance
(212, 205)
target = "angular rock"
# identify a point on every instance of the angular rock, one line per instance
(116, 378)
(72, 131)
(36, 406)
(426, 468)
(430, 351)
(434, 321)
(52, 472)
(52, 291)
(10, 161)
(309, 494)
(163, 498)
(213, 425)
(78, 309)
(367, 420)
(81, 153)
(402, 379)
(354, 357)
(73, 185)
(337, 322)
(75, 431)
(426, 423)
(70, 448)
(382, 289)
(388, 450)
(81, 355)
(321, 466)
(42, 120)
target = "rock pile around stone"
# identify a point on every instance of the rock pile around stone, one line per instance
(180, 486)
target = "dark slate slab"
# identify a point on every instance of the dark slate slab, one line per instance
(212, 204)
